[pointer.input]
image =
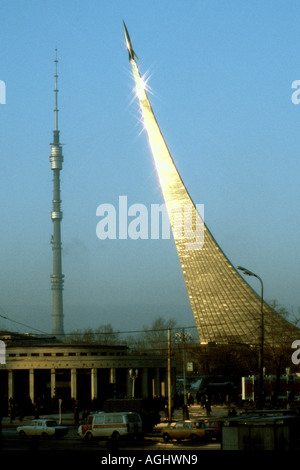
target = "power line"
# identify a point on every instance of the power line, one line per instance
(92, 332)
(19, 323)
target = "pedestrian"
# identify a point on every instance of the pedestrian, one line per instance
(208, 407)
(85, 415)
(76, 415)
(36, 412)
(166, 411)
(21, 415)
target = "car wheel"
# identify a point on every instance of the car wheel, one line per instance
(22, 434)
(166, 437)
(194, 437)
(89, 436)
(44, 435)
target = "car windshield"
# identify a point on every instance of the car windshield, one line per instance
(201, 425)
(51, 424)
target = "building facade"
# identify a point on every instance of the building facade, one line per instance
(40, 373)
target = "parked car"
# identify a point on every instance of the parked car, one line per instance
(43, 428)
(193, 430)
(213, 429)
(102, 424)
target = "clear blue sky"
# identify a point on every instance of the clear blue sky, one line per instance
(221, 75)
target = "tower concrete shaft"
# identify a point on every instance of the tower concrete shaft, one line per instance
(57, 278)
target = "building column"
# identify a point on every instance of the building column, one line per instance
(31, 385)
(156, 383)
(52, 383)
(128, 385)
(10, 384)
(164, 384)
(112, 376)
(74, 384)
(144, 384)
(94, 384)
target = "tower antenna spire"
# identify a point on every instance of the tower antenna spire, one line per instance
(56, 93)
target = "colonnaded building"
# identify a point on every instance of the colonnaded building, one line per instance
(41, 370)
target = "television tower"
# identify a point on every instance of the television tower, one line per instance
(57, 278)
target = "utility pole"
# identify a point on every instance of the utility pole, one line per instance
(261, 340)
(183, 338)
(169, 377)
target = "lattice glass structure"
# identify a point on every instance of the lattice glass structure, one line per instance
(225, 307)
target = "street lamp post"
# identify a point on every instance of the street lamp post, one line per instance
(169, 376)
(183, 338)
(133, 376)
(261, 352)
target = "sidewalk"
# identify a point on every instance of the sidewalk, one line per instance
(198, 412)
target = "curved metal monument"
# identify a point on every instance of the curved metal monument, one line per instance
(225, 307)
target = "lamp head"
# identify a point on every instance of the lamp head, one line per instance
(245, 271)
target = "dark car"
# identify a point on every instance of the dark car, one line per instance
(213, 429)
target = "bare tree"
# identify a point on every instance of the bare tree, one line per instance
(104, 334)
(154, 338)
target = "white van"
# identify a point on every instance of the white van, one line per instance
(104, 424)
